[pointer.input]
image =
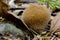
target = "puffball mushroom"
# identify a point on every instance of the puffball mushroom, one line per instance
(36, 17)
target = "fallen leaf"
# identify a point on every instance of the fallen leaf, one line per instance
(55, 23)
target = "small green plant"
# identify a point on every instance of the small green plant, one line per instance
(52, 3)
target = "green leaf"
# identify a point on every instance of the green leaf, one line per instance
(42, 0)
(52, 0)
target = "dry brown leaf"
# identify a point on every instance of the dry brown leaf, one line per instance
(55, 24)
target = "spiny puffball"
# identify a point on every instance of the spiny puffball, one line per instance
(36, 17)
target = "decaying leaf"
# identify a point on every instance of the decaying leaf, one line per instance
(55, 24)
